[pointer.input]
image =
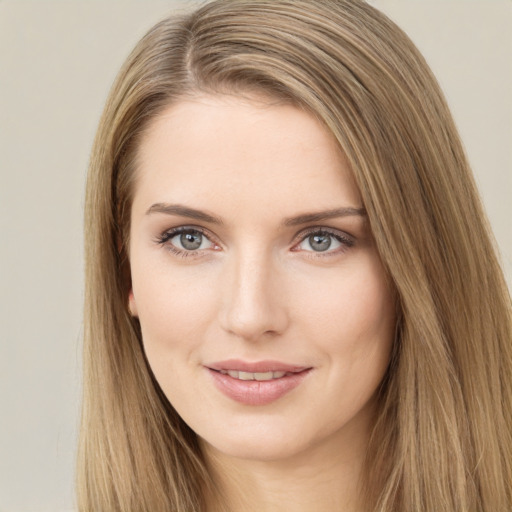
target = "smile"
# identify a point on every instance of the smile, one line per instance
(258, 383)
(260, 376)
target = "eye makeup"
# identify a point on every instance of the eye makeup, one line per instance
(316, 242)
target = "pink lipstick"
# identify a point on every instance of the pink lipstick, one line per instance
(257, 383)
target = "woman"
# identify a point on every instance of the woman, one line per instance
(292, 297)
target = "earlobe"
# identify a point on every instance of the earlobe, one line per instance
(132, 306)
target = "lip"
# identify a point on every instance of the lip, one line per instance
(253, 392)
(257, 366)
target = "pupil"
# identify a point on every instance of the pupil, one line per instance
(320, 243)
(191, 241)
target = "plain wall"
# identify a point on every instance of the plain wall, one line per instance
(57, 62)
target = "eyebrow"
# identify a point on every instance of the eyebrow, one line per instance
(183, 211)
(192, 213)
(324, 215)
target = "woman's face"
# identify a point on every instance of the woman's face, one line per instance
(265, 313)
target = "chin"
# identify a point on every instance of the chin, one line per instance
(255, 449)
(292, 438)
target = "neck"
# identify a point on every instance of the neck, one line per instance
(319, 478)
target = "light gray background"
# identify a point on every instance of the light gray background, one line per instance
(57, 61)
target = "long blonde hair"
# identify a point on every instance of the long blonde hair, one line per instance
(442, 440)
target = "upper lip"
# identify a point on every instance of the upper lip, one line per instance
(256, 367)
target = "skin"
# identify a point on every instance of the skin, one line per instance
(256, 289)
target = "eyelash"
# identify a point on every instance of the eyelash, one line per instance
(345, 240)
(165, 240)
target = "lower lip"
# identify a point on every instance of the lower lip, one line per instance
(254, 392)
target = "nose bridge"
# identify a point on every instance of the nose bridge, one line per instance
(253, 304)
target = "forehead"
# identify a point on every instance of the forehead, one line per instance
(232, 152)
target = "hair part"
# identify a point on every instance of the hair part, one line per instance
(442, 439)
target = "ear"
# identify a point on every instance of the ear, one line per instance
(132, 305)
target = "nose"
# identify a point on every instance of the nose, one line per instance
(253, 302)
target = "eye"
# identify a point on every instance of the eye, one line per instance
(186, 241)
(324, 241)
(190, 241)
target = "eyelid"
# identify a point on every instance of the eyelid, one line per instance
(344, 238)
(167, 235)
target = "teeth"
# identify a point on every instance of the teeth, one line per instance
(253, 376)
(265, 376)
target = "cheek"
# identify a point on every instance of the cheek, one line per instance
(352, 315)
(172, 308)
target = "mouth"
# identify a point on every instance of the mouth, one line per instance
(259, 376)
(259, 383)
(267, 366)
